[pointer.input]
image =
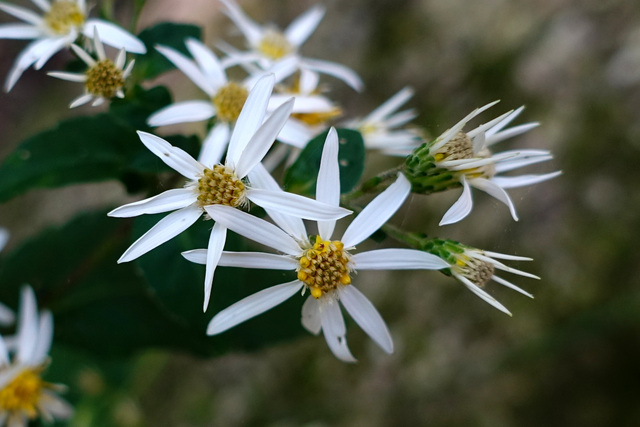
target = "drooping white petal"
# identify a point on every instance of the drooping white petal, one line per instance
(262, 140)
(496, 191)
(45, 336)
(166, 229)
(19, 32)
(304, 25)
(311, 315)
(26, 58)
(461, 208)
(250, 118)
(293, 225)
(295, 205)
(251, 30)
(54, 47)
(214, 144)
(81, 100)
(328, 182)
(217, 239)
(338, 71)
(207, 61)
(114, 36)
(182, 112)
(397, 259)
(367, 317)
(189, 68)
(482, 294)
(71, 77)
(252, 306)
(334, 330)
(522, 180)
(169, 200)
(254, 228)
(174, 157)
(511, 286)
(377, 212)
(21, 13)
(27, 328)
(390, 105)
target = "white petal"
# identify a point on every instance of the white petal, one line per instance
(511, 286)
(46, 50)
(304, 25)
(448, 134)
(295, 205)
(114, 36)
(367, 317)
(391, 105)
(522, 180)
(254, 228)
(27, 328)
(295, 133)
(214, 145)
(121, 59)
(174, 157)
(7, 317)
(377, 212)
(495, 191)
(461, 208)
(189, 68)
(169, 200)
(311, 315)
(217, 240)
(250, 118)
(328, 182)
(251, 30)
(71, 77)
(506, 256)
(338, 71)
(252, 306)
(262, 140)
(260, 260)
(167, 228)
(182, 112)
(308, 81)
(21, 13)
(4, 356)
(55, 405)
(520, 161)
(99, 47)
(485, 126)
(207, 61)
(45, 336)
(81, 100)
(302, 104)
(4, 238)
(44, 5)
(334, 330)
(19, 31)
(509, 133)
(397, 259)
(293, 225)
(482, 294)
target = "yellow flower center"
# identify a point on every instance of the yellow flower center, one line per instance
(63, 16)
(479, 272)
(229, 101)
(324, 267)
(314, 119)
(104, 79)
(220, 186)
(274, 45)
(22, 394)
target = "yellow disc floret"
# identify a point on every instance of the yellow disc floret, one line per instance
(229, 101)
(220, 186)
(274, 45)
(23, 393)
(324, 267)
(104, 79)
(63, 16)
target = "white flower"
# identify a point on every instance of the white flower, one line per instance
(324, 266)
(104, 78)
(226, 97)
(475, 268)
(23, 394)
(269, 45)
(6, 314)
(468, 156)
(379, 128)
(62, 22)
(213, 183)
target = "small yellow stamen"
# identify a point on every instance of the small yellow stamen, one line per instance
(220, 186)
(104, 79)
(324, 267)
(229, 101)
(63, 16)
(22, 394)
(274, 45)
(315, 119)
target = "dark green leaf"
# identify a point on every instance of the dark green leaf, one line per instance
(153, 63)
(138, 105)
(302, 175)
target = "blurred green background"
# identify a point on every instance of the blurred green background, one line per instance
(569, 357)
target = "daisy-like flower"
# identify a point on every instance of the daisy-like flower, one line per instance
(60, 24)
(24, 395)
(104, 78)
(268, 45)
(324, 266)
(226, 98)
(212, 183)
(380, 128)
(457, 159)
(475, 268)
(6, 314)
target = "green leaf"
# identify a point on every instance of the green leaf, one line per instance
(302, 175)
(138, 105)
(153, 63)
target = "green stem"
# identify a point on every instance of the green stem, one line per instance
(373, 184)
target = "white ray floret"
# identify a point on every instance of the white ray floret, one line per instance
(211, 182)
(323, 266)
(6, 314)
(59, 25)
